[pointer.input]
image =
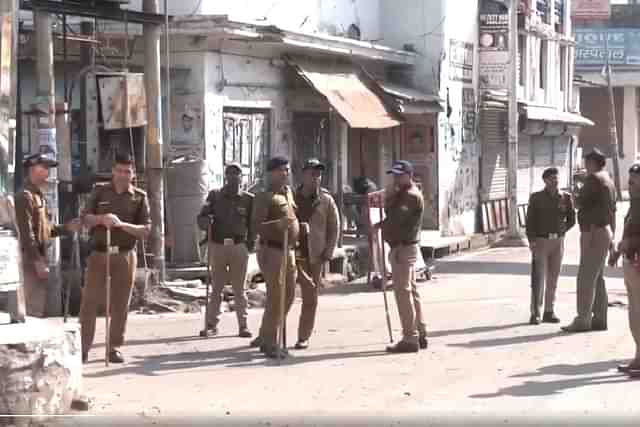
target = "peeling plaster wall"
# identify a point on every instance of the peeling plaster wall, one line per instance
(430, 27)
(458, 144)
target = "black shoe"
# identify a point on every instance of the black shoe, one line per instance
(245, 332)
(257, 342)
(599, 327)
(575, 327)
(403, 347)
(211, 331)
(85, 358)
(302, 345)
(550, 317)
(534, 320)
(422, 341)
(625, 369)
(115, 357)
(272, 352)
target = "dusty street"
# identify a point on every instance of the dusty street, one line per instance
(483, 357)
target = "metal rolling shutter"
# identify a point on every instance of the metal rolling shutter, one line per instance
(524, 168)
(493, 129)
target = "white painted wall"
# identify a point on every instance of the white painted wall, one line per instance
(332, 17)
(419, 23)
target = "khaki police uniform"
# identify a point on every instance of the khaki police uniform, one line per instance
(232, 239)
(596, 204)
(36, 232)
(271, 206)
(132, 207)
(401, 230)
(320, 214)
(631, 265)
(550, 216)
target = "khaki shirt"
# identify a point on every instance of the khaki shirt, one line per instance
(324, 224)
(272, 206)
(549, 213)
(34, 223)
(403, 222)
(130, 206)
(631, 230)
(232, 215)
(596, 201)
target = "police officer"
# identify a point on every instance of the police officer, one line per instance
(275, 212)
(630, 247)
(404, 208)
(319, 229)
(229, 211)
(124, 209)
(596, 202)
(549, 216)
(36, 232)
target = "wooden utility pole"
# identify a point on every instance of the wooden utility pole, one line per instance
(154, 169)
(45, 131)
(512, 149)
(613, 126)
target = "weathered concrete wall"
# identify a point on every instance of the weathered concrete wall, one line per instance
(332, 17)
(444, 33)
(420, 24)
(40, 369)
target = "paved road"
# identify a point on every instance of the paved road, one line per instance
(483, 358)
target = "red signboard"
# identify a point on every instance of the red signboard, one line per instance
(590, 9)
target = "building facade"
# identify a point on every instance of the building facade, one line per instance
(548, 118)
(613, 31)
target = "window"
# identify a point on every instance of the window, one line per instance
(542, 10)
(522, 48)
(564, 77)
(559, 16)
(542, 66)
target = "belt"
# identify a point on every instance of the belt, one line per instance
(236, 240)
(589, 227)
(403, 243)
(118, 249)
(551, 236)
(275, 244)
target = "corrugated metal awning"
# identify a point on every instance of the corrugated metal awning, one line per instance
(412, 101)
(547, 114)
(345, 89)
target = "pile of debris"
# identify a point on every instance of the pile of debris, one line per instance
(188, 296)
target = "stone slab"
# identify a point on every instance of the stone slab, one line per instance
(40, 368)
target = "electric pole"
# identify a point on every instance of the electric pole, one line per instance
(613, 127)
(45, 135)
(512, 156)
(154, 169)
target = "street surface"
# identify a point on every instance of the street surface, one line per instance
(483, 359)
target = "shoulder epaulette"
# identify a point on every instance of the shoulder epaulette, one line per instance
(139, 191)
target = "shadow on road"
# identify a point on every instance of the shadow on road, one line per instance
(509, 268)
(542, 388)
(167, 340)
(566, 369)
(474, 330)
(496, 342)
(237, 357)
